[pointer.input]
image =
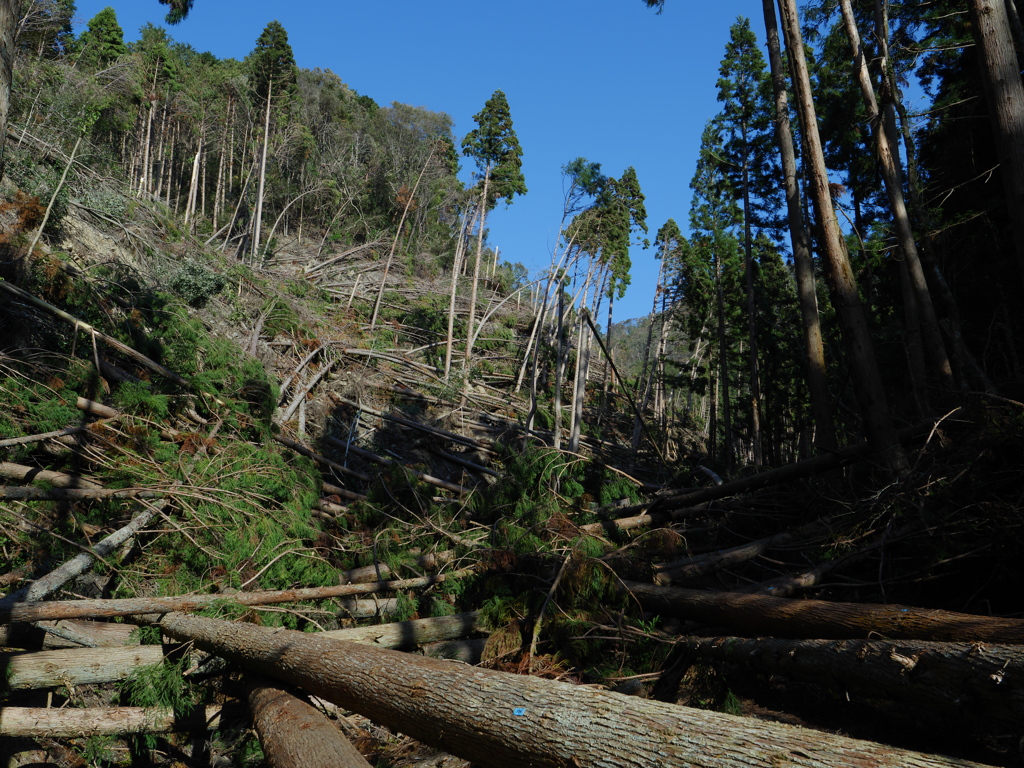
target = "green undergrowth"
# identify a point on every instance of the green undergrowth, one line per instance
(238, 510)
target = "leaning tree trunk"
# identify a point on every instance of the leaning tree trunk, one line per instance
(501, 719)
(783, 617)
(1005, 94)
(817, 373)
(955, 682)
(892, 179)
(860, 354)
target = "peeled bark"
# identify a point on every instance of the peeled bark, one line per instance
(783, 617)
(102, 721)
(293, 733)
(973, 683)
(500, 719)
(76, 666)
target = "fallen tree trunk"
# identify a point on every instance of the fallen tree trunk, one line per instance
(790, 472)
(75, 666)
(34, 493)
(102, 721)
(300, 448)
(78, 666)
(500, 719)
(407, 634)
(77, 609)
(435, 481)
(821, 619)
(976, 683)
(24, 474)
(77, 565)
(66, 634)
(692, 567)
(654, 517)
(294, 734)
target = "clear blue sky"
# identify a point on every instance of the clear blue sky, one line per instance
(608, 80)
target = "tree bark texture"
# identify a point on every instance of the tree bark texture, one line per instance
(860, 353)
(499, 719)
(75, 666)
(1005, 94)
(101, 721)
(294, 734)
(783, 617)
(8, 22)
(66, 634)
(974, 683)
(76, 609)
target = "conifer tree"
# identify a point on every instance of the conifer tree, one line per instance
(746, 122)
(494, 147)
(274, 77)
(102, 43)
(710, 267)
(179, 9)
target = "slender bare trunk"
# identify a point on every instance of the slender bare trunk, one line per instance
(892, 178)
(860, 353)
(258, 222)
(1005, 93)
(817, 374)
(8, 22)
(476, 279)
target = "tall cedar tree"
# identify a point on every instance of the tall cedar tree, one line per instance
(274, 78)
(746, 122)
(710, 270)
(494, 146)
(102, 43)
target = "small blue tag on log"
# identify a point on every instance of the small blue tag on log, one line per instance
(519, 711)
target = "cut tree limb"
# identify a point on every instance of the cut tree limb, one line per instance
(783, 617)
(499, 719)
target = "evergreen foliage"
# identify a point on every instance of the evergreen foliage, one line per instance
(494, 147)
(102, 43)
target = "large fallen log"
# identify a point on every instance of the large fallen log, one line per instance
(75, 666)
(293, 733)
(102, 721)
(821, 619)
(974, 683)
(499, 719)
(77, 609)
